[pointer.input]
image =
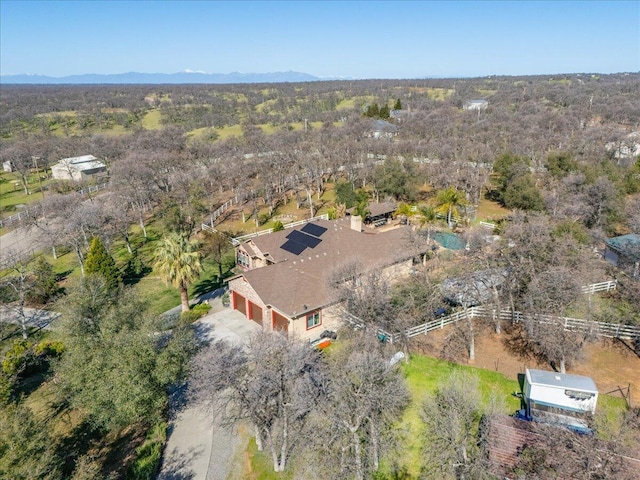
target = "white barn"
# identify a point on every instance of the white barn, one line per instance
(78, 168)
(475, 105)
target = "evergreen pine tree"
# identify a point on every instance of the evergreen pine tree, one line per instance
(45, 285)
(385, 112)
(100, 262)
(373, 111)
(398, 105)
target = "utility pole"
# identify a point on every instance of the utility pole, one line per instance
(35, 161)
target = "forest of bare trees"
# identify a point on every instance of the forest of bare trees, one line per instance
(553, 152)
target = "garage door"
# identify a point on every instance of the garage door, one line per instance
(280, 323)
(239, 303)
(255, 313)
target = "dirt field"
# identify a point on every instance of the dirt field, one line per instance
(610, 363)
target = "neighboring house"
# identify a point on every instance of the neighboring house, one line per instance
(624, 253)
(382, 129)
(78, 168)
(475, 105)
(629, 147)
(286, 282)
(379, 213)
(7, 166)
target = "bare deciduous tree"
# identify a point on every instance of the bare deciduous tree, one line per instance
(274, 383)
(453, 418)
(366, 396)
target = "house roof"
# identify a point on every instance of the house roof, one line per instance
(507, 437)
(561, 380)
(477, 103)
(376, 209)
(383, 208)
(628, 245)
(82, 163)
(299, 283)
(384, 126)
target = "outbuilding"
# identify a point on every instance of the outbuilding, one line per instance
(559, 398)
(78, 168)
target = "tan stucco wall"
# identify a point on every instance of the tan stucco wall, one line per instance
(331, 320)
(243, 288)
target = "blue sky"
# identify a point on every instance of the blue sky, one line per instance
(361, 39)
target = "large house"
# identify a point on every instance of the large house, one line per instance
(287, 275)
(78, 168)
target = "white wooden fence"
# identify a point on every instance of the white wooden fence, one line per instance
(238, 240)
(603, 329)
(220, 210)
(600, 287)
(36, 210)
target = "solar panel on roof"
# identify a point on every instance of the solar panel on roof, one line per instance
(293, 247)
(304, 239)
(313, 229)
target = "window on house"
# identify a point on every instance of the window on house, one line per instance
(313, 320)
(243, 259)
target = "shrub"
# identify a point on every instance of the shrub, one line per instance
(278, 226)
(195, 313)
(49, 348)
(18, 358)
(148, 455)
(225, 299)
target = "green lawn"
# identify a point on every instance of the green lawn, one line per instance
(12, 192)
(435, 93)
(423, 375)
(151, 120)
(491, 211)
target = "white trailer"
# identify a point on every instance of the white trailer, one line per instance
(559, 397)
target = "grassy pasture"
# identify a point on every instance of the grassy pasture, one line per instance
(12, 192)
(151, 120)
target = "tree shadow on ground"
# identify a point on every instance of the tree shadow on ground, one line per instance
(179, 398)
(623, 345)
(177, 466)
(516, 342)
(77, 443)
(205, 285)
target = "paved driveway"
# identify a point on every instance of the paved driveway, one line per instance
(198, 447)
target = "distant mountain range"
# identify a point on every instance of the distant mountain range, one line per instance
(162, 78)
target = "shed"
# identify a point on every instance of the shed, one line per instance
(559, 397)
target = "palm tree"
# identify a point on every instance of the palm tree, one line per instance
(178, 263)
(449, 201)
(362, 209)
(404, 209)
(427, 215)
